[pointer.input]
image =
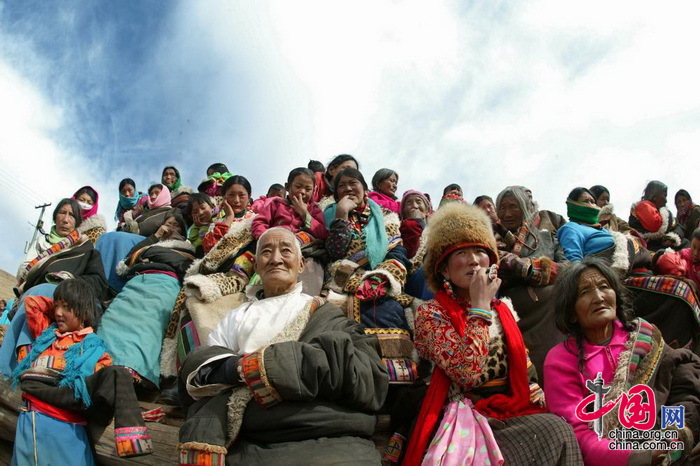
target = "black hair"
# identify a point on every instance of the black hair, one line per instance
(696, 233)
(155, 185)
(483, 197)
(179, 218)
(653, 189)
(684, 193)
(202, 198)
(86, 190)
(177, 172)
(342, 158)
(576, 193)
(274, 187)
(450, 187)
(598, 190)
(80, 299)
(381, 175)
(566, 295)
(300, 171)
(236, 179)
(218, 167)
(351, 173)
(75, 207)
(126, 181)
(316, 166)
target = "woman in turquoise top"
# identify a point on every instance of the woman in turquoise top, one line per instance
(583, 235)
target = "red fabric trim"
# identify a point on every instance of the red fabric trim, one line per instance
(162, 272)
(65, 415)
(497, 406)
(448, 251)
(648, 215)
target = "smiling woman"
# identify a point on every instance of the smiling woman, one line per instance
(384, 185)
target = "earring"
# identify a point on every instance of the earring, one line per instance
(448, 287)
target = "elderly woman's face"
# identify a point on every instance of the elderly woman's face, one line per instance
(414, 207)
(278, 262)
(596, 304)
(660, 199)
(65, 220)
(510, 213)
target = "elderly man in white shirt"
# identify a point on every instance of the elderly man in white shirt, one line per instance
(287, 378)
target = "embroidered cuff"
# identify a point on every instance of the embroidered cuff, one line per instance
(132, 441)
(251, 367)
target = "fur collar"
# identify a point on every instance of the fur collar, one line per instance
(96, 221)
(175, 243)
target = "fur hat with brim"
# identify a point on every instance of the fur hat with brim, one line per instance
(456, 226)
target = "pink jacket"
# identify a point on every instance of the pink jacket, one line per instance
(385, 201)
(692, 271)
(279, 213)
(565, 387)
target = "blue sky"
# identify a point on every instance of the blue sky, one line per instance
(486, 94)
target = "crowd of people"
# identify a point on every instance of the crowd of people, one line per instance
(284, 324)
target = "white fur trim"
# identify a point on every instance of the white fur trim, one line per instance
(508, 302)
(175, 243)
(238, 227)
(673, 236)
(620, 258)
(324, 203)
(193, 269)
(395, 288)
(168, 356)
(122, 269)
(181, 190)
(658, 234)
(391, 218)
(96, 221)
(202, 287)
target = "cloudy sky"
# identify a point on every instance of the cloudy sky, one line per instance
(548, 94)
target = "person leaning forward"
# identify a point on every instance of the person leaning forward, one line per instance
(286, 378)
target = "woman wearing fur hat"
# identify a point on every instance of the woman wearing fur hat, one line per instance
(482, 370)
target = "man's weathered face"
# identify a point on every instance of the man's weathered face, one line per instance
(278, 261)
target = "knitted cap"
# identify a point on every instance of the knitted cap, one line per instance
(413, 192)
(456, 226)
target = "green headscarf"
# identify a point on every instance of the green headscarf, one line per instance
(581, 212)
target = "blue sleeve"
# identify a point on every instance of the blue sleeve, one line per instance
(572, 241)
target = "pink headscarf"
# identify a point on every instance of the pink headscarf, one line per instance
(162, 200)
(87, 213)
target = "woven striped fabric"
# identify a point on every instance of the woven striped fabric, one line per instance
(65, 243)
(668, 286)
(132, 441)
(642, 346)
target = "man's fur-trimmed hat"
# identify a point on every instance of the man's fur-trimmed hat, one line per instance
(456, 226)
